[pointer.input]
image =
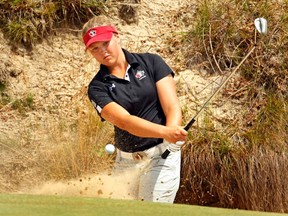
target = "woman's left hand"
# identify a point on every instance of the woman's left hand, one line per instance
(175, 133)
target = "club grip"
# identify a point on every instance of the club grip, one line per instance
(190, 123)
(165, 154)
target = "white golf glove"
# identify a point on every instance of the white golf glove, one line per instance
(173, 147)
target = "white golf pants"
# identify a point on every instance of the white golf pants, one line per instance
(159, 178)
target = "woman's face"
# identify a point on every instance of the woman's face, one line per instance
(106, 52)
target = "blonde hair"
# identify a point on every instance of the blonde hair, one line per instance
(95, 21)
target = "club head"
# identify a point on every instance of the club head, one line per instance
(261, 25)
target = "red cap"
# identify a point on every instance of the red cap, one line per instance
(100, 33)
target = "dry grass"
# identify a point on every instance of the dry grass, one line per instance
(243, 165)
(220, 33)
(260, 181)
(246, 173)
(78, 147)
(253, 180)
(65, 149)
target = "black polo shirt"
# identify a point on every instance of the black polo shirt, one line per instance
(138, 95)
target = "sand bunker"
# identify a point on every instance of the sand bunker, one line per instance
(120, 186)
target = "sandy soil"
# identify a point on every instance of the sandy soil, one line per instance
(104, 185)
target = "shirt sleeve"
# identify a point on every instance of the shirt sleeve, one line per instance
(160, 68)
(99, 95)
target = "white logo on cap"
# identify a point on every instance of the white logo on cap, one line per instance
(92, 33)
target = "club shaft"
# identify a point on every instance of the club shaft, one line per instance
(191, 122)
(263, 30)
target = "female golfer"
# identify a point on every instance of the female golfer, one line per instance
(137, 94)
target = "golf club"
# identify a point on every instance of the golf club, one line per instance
(261, 27)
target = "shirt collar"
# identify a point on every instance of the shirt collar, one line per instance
(130, 58)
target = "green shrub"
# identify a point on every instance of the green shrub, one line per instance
(270, 126)
(26, 22)
(24, 105)
(80, 153)
(223, 32)
(4, 97)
